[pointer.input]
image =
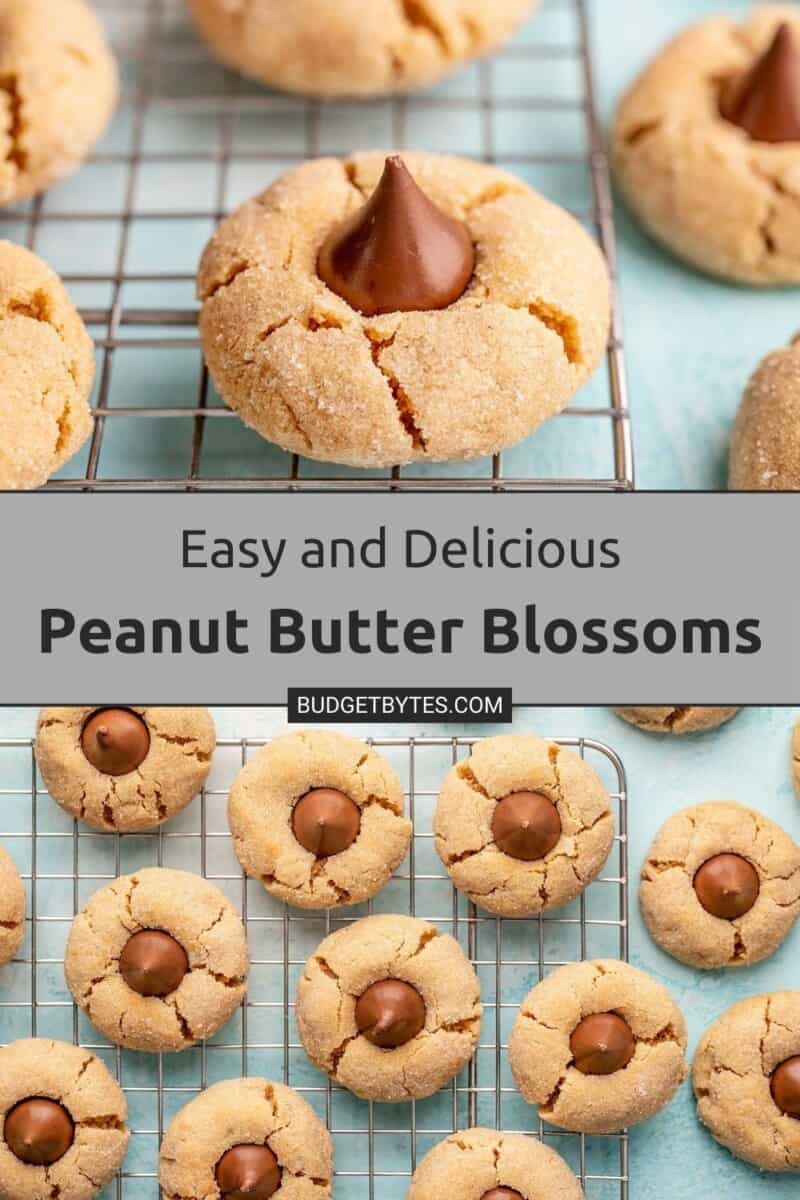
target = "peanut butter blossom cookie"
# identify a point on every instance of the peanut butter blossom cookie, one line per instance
(63, 1121)
(375, 311)
(46, 369)
(59, 90)
(158, 960)
(765, 448)
(318, 818)
(246, 1138)
(676, 719)
(747, 1080)
(12, 908)
(598, 1046)
(482, 1164)
(721, 886)
(389, 1008)
(523, 825)
(348, 48)
(707, 146)
(124, 768)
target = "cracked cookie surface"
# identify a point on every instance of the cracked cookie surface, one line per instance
(670, 905)
(377, 948)
(348, 48)
(715, 197)
(542, 1060)
(193, 912)
(471, 1164)
(465, 842)
(311, 374)
(765, 447)
(58, 91)
(678, 719)
(246, 1112)
(732, 1075)
(262, 801)
(83, 1085)
(46, 371)
(12, 908)
(182, 743)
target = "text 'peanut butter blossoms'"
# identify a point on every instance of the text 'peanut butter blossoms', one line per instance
(381, 310)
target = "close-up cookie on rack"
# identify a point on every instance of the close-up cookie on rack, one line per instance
(334, 48)
(246, 1138)
(677, 719)
(124, 769)
(598, 1046)
(12, 908)
(389, 1008)
(158, 960)
(765, 447)
(523, 825)
(707, 146)
(376, 311)
(319, 819)
(63, 1120)
(484, 1164)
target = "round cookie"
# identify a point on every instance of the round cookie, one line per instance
(333, 48)
(747, 1080)
(62, 1122)
(124, 769)
(46, 369)
(366, 1035)
(482, 1164)
(598, 1046)
(720, 886)
(315, 375)
(248, 1132)
(686, 719)
(158, 960)
(336, 794)
(523, 825)
(765, 448)
(58, 93)
(721, 193)
(12, 908)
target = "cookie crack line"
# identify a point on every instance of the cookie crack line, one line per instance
(405, 408)
(17, 156)
(418, 16)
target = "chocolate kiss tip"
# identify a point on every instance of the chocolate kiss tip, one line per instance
(765, 101)
(400, 252)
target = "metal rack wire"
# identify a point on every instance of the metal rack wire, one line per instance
(191, 141)
(377, 1146)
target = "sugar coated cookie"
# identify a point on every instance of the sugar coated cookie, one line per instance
(482, 1164)
(12, 908)
(765, 448)
(689, 718)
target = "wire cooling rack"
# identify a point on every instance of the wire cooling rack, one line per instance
(191, 141)
(377, 1146)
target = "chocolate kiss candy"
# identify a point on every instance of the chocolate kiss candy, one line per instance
(326, 822)
(115, 740)
(526, 825)
(786, 1087)
(602, 1044)
(39, 1132)
(765, 102)
(502, 1193)
(727, 886)
(248, 1172)
(400, 253)
(390, 1013)
(153, 963)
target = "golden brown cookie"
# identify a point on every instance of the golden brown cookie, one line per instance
(124, 768)
(523, 825)
(58, 90)
(747, 1080)
(162, 992)
(348, 48)
(598, 1046)
(395, 1043)
(336, 794)
(721, 886)
(716, 196)
(689, 718)
(473, 1164)
(46, 369)
(12, 908)
(314, 375)
(251, 1132)
(63, 1120)
(765, 448)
